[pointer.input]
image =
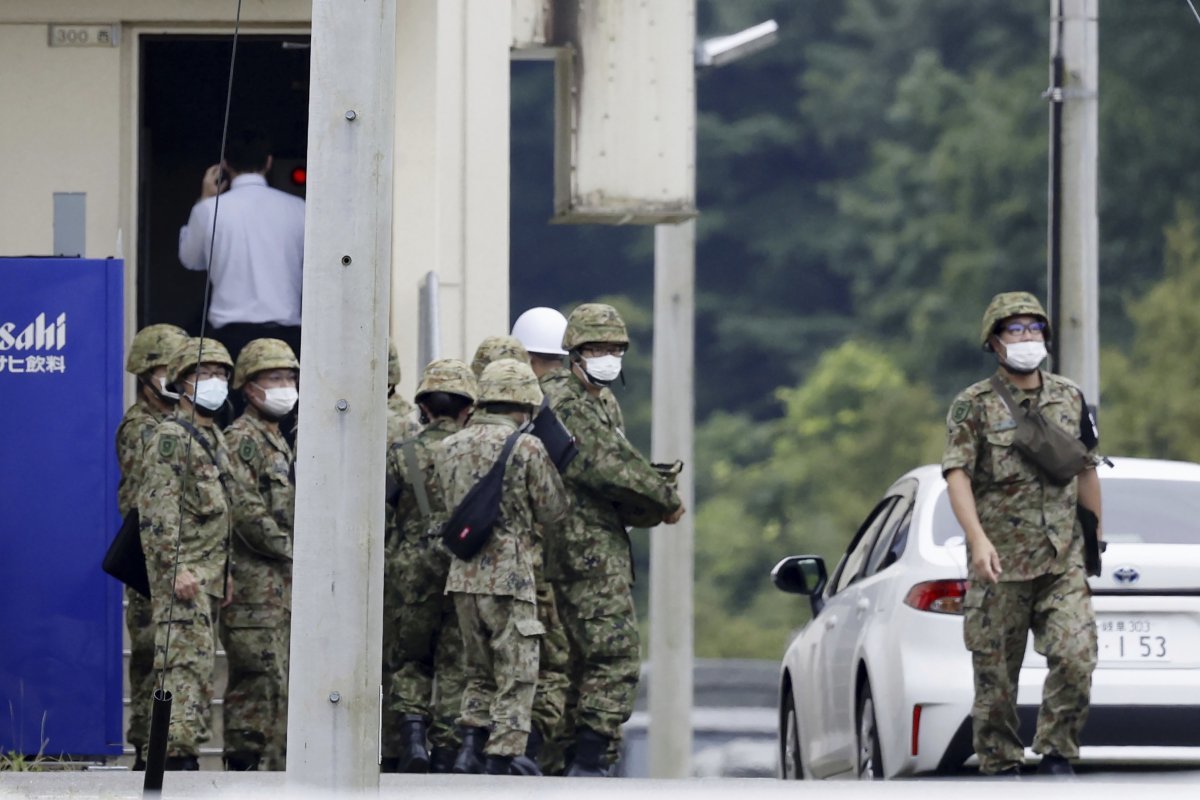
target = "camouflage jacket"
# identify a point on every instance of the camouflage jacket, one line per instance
(1030, 521)
(608, 470)
(401, 419)
(135, 430)
(532, 495)
(263, 502)
(410, 524)
(202, 530)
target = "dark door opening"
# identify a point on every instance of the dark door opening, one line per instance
(183, 85)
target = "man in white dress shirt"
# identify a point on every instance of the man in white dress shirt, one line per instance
(257, 255)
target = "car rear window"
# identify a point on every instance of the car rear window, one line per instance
(1135, 510)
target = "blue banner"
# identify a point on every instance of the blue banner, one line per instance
(61, 370)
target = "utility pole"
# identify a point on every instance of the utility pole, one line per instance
(334, 696)
(673, 415)
(1073, 284)
(672, 546)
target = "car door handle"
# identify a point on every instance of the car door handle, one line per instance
(863, 605)
(830, 622)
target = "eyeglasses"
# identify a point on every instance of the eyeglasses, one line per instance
(596, 350)
(204, 373)
(1018, 328)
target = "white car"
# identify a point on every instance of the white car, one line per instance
(878, 684)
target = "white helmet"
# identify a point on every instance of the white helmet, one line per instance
(541, 331)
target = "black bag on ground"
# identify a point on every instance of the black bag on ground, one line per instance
(1057, 453)
(125, 560)
(470, 526)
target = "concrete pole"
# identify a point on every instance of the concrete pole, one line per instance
(337, 606)
(671, 546)
(1077, 307)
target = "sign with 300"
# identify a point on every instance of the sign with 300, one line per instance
(85, 35)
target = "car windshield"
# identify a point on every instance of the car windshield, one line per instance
(1135, 511)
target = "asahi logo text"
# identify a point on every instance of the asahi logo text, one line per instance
(37, 335)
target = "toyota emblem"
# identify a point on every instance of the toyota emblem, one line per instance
(1126, 575)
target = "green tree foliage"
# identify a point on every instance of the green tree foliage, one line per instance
(801, 483)
(1150, 396)
(865, 186)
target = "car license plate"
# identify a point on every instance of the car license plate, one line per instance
(1134, 638)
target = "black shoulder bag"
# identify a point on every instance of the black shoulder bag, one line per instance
(470, 526)
(125, 560)
(1057, 453)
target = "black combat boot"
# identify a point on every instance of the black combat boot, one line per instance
(527, 764)
(498, 765)
(182, 764)
(590, 751)
(1056, 765)
(413, 755)
(139, 763)
(469, 760)
(442, 759)
(242, 762)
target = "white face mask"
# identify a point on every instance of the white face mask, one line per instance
(162, 389)
(603, 369)
(278, 401)
(211, 393)
(1024, 356)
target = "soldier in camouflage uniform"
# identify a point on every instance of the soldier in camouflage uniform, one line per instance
(1024, 544)
(149, 353)
(541, 330)
(590, 565)
(185, 526)
(255, 627)
(401, 418)
(494, 591)
(423, 628)
(494, 348)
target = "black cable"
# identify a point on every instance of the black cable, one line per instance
(157, 745)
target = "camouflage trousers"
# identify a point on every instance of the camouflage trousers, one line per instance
(255, 707)
(424, 666)
(605, 658)
(500, 639)
(139, 621)
(554, 680)
(189, 668)
(996, 625)
(422, 644)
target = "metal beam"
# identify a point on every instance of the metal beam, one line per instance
(337, 606)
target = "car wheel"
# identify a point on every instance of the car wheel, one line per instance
(790, 768)
(870, 756)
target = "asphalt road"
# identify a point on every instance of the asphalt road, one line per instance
(1093, 784)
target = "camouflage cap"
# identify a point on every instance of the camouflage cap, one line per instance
(594, 322)
(509, 381)
(197, 351)
(261, 355)
(153, 346)
(494, 348)
(451, 376)
(393, 365)
(1009, 304)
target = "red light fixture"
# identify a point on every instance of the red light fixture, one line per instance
(939, 597)
(299, 176)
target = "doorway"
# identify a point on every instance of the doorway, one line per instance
(183, 81)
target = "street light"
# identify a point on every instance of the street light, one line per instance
(721, 50)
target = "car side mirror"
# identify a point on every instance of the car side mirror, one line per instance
(800, 575)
